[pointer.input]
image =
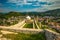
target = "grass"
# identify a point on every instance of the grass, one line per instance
(22, 36)
(39, 24)
(47, 27)
(0, 31)
(28, 25)
(35, 25)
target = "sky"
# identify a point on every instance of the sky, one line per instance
(28, 5)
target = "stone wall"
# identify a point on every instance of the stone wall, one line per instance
(25, 30)
(51, 35)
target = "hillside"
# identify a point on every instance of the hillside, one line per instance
(55, 12)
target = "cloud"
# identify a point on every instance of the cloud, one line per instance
(45, 4)
(25, 2)
(35, 10)
(54, 5)
(1, 10)
(21, 2)
(1, 4)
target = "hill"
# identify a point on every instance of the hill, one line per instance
(55, 12)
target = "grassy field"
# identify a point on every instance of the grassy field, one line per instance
(28, 25)
(22, 36)
(35, 26)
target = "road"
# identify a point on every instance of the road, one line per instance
(19, 27)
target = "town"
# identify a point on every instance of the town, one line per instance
(20, 26)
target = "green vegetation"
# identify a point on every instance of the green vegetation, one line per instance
(47, 27)
(12, 18)
(35, 25)
(0, 31)
(43, 25)
(22, 36)
(4, 17)
(28, 25)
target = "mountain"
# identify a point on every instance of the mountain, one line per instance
(55, 12)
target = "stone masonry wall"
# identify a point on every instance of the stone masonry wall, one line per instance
(51, 35)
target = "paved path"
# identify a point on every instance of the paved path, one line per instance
(37, 24)
(23, 25)
(18, 25)
(33, 25)
(19, 28)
